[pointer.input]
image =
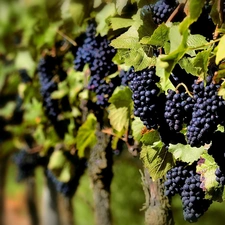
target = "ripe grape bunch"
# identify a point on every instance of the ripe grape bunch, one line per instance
(162, 9)
(183, 180)
(145, 96)
(207, 112)
(97, 52)
(178, 109)
(46, 72)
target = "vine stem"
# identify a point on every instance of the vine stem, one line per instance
(202, 46)
(31, 200)
(67, 38)
(100, 173)
(3, 171)
(187, 91)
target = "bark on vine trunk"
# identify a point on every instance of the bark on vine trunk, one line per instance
(3, 170)
(158, 208)
(66, 210)
(50, 212)
(31, 200)
(100, 172)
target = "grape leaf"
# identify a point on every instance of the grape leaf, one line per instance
(193, 12)
(196, 41)
(159, 36)
(221, 91)
(129, 39)
(200, 62)
(86, 137)
(220, 52)
(137, 126)
(206, 168)
(157, 159)
(167, 62)
(149, 137)
(118, 117)
(118, 23)
(138, 59)
(120, 5)
(102, 17)
(217, 13)
(187, 64)
(121, 97)
(185, 153)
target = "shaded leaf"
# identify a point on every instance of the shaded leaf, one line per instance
(157, 159)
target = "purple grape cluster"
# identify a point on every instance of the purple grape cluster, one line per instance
(162, 9)
(193, 198)
(184, 180)
(145, 96)
(46, 72)
(97, 52)
(207, 112)
(178, 109)
(220, 177)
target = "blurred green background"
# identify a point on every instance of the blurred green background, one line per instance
(127, 197)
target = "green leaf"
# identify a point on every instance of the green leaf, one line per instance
(220, 52)
(196, 40)
(137, 126)
(97, 3)
(217, 13)
(221, 91)
(118, 117)
(62, 91)
(167, 62)
(185, 153)
(206, 168)
(120, 5)
(86, 137)
(194, 11)
(200, 62)
(102, 17)
(186, 63)
(121, 97)
(138, 59)
(57, 160)
(157, 159)
(129, 39)
(150, 137)
(118, 23)
(24, 60)
(159, 36)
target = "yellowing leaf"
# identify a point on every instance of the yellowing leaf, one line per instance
(118, 117)
(220, 53)
(86, 137)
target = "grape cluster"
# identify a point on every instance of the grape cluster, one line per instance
(46, 72)
(183, 179)
(145, 96)
(193, 198)
(26, 163)
(102, 88)
(48, 68)
(68, 188)
(162, 9)
(83, 53)
(220, 177)
(178, 109)
(207, 112)
(97, 52)
(175, 179)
